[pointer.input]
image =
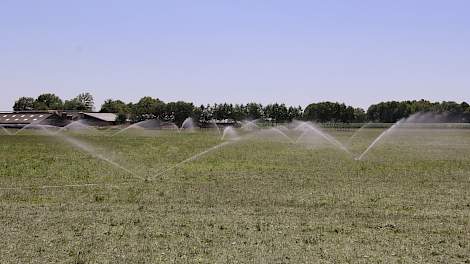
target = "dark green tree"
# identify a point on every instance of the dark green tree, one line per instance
(121, 118)
(48, 101)
(294, 113)
(114, 106)
(179, 111)
(329, 112)
(464, 106)
(86, 101)
(359, 115)
(254, 111)
(159, 109)
(346, 114)
(450, 106)
(83, 102)
(239, 112)
(222, 111)
(146, 108)
(388, 112)
(73, 104)
(203, 113)
(277, 113)
(24, 104)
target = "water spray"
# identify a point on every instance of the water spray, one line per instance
(194, 157)
(327, 137)
(90, 150)
(387, 131)
(6, 131)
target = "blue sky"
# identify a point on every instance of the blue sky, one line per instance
(297, 52)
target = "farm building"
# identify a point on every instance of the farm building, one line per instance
(99, 119)
(54, 118)
(21, 119)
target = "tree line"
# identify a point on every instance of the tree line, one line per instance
(392, 111)
(49, 101)
(384, 112)
(150, 108)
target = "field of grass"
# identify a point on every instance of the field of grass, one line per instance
(262, 199)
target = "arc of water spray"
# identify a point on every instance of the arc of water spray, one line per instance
(277, 130)
(86, 148)
(387, 131)
(33, 124)
(6, 131)
(129, 127)
(301, 136)
(188, 123)
(25, 127)
(330, 139)
(216, 126)
(205, 152)
(250, 123)
(357, 132)
(78, 122)
(193, 158)
(226, 131)
(90, 150)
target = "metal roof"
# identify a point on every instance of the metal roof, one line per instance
(108, 117)
(22, 118)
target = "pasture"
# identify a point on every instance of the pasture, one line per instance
(263, 198)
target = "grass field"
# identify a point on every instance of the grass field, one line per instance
(263, 199)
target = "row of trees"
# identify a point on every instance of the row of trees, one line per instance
(386, 112)
(390, 112)
(148, 108)
(334, 112)
(49, 101)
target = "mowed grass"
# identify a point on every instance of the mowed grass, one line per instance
(262, 199)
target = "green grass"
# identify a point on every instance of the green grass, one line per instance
(260, 200)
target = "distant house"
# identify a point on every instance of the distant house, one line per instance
(227, 122)
(220, 123)
(99, 119)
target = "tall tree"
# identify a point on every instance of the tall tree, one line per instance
(329, 112)
(204, 113)
(159, 109)
(179, 111)
(48, 101)
(359, 115)
(121, 118)
(82, 102)
(464, 106)
(388, 112)
(254, 111)
(24, 104)
(294, 113)
(146, 108)
(222, 111)
(86, 100)
(114, 106)
(277, 113)
(73, 104)
(239, 112)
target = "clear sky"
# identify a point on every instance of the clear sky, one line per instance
(358, 52)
